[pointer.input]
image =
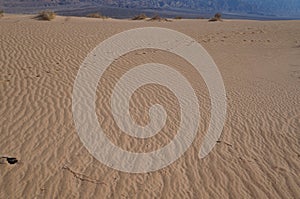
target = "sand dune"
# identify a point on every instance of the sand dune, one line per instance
(258, 155)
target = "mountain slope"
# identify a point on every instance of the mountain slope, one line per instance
(267, 7)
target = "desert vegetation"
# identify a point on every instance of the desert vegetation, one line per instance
(178, 17)
(139, 17)
(96, 15)
(158, 18)
(217, 17)
(47, 15)
(1, 13)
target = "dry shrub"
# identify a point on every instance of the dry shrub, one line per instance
(96, 15)
(178, 17)
(46, 15)
(212, 19)
(139, 17)
(156, 18)
(217, 17)
(1, 13)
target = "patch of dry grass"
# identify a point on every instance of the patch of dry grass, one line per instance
(217, 17)
(158, 18)
(178, 17)
(139, 17)
(96, 15)
(47, 15)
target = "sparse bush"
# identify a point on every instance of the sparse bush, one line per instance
(156, 18)
(139, 17)
(46, 15)
(217, 17)
(96, 15)
(178, 17)
(1, 13)
(212, 19)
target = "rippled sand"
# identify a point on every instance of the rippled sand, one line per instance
(258, 155)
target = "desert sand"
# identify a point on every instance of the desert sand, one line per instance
(258, 153)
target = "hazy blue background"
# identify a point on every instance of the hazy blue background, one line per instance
(269, 9)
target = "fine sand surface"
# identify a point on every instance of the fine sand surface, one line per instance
(258, 155)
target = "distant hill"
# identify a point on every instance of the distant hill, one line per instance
(262, 7)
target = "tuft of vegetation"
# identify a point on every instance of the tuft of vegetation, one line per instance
(139, 17)
(178, 17)
(156, 18)
(47, 15)
(217, 17)
(212, 19)
(1, 13)
(96, 15)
